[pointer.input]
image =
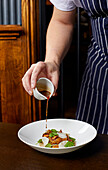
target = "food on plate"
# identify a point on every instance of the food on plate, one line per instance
(56, 139)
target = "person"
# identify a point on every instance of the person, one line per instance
(93, 97)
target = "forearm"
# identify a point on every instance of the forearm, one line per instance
(58, 39)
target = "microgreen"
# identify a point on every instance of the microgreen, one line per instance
(53, 134)
(48, 145)
(69, 144)
(40, 141)
(73, 139)
(53, 130)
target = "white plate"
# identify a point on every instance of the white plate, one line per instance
(81, 131)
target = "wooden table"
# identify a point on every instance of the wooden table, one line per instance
(15, 155)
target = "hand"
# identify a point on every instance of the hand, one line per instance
(49, 70)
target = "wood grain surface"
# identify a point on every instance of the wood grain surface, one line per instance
(15, 155)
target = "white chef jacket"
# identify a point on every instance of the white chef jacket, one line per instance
(66, 5)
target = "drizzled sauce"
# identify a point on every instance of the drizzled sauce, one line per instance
(47, 95)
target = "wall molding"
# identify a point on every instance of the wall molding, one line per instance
(10, 32)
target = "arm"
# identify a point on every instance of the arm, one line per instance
(58, 39)
(59, 35)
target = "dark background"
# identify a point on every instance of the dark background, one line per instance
(69, 70)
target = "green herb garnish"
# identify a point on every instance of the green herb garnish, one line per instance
(73, 139)
(48, 145)
(53, 130)
(40, 141)
(53, 134)
(69, 144)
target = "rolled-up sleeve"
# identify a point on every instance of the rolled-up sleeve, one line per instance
(64, 5)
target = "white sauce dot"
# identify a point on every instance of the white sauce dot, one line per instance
(45, 140)
(62, 135)
(61, 144)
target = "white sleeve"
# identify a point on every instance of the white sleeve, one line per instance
(64, 5)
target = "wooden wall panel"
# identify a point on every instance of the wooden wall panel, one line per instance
(14, 100)
(10, 78)
(35, 50)
(16, 55)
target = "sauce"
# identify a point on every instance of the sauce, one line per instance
(47, 95)
(46, 112)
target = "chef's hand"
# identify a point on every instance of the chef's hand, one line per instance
(49, 70)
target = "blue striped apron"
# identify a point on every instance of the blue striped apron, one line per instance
(93, 97)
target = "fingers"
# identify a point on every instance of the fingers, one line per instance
(55, 80)
(40, 69)
(55, 83)
(26, 80)
(36, 72)
(55, 77)
(30, 78)
(26, 85)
